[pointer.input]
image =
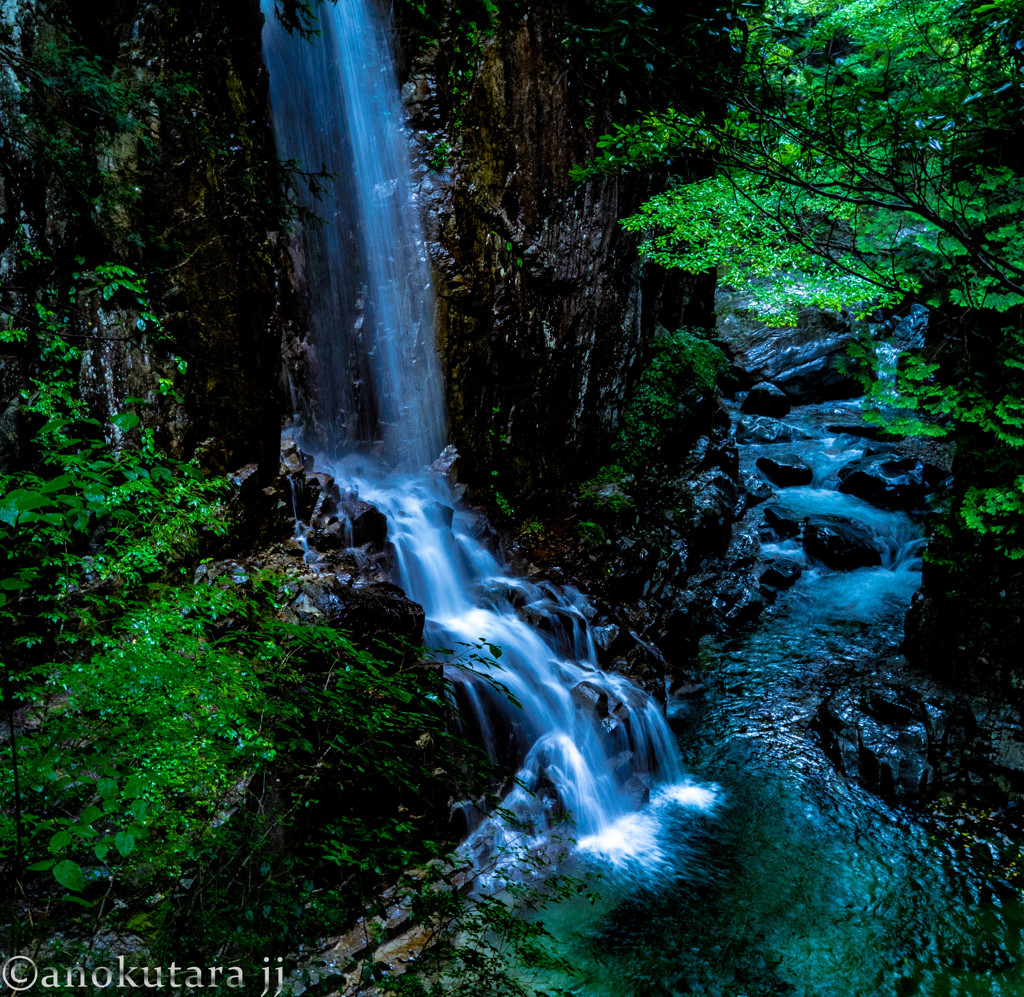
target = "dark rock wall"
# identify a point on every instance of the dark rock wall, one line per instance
(196, 196)
(545, 307)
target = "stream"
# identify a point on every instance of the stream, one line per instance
(800, 882)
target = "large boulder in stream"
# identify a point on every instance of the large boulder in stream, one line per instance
(841, 543)
(879, 737)
(595, 703)
(888, 480)
(786, 470)
(777, 525)
(368, 525)
(782, 573)
(904, 736)
(762, 429)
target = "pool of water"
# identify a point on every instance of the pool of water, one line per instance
(793, 880)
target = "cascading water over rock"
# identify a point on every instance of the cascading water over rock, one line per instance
(585, 742)
(335, 107)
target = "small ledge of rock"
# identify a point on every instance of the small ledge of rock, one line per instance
(786, 470)
(840, 543)
(888, 480)
(782, 574)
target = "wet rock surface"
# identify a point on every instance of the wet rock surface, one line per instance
(889, 480)
(807, 362)
(764, 398)
(907, 737)
(781, 574)
(536, 278)
(761, 429)
(840, 543)
(786, 470)
(878, 739)
(328, 548)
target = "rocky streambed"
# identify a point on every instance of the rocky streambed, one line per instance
(867, 832)
(859, 833)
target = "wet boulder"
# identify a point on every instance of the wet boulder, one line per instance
(755, 490)
(782, 574)
(323, 492)
(738, 601)
(294, 460)
(605, 635)
(766, 399)
(841, 543)
(501, 592)
(440, 515)
(785, 470)
(331, 535)
(708, 502)
(444, 466)
(808, 362)
(879, 737)
(777, 526)
(886, 479)
(365, 523)
(910, 331)
(761, 429)
(603, 707)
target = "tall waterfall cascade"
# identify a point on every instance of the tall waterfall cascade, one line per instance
(586, 743)
(336, 108)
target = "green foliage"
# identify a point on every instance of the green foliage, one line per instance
(440, 156)
(653, 53)
(875, 157)
(592, 532)
(684, 367)
(459, 31)
(58, 592)
(869, 155)
(504, 506)
(606, 492)
(196, 771)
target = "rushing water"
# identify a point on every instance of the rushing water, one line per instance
(335, 106)
(801, 882)
(586, 743)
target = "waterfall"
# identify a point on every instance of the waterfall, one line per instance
(585, 743)
(335, 106)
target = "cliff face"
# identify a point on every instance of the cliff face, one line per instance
(136, 135)
(545, 307)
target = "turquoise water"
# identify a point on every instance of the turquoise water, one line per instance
(798, 881)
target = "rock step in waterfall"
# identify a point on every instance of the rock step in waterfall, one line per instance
(588, 745)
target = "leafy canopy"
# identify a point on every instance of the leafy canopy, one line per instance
(870, 155)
